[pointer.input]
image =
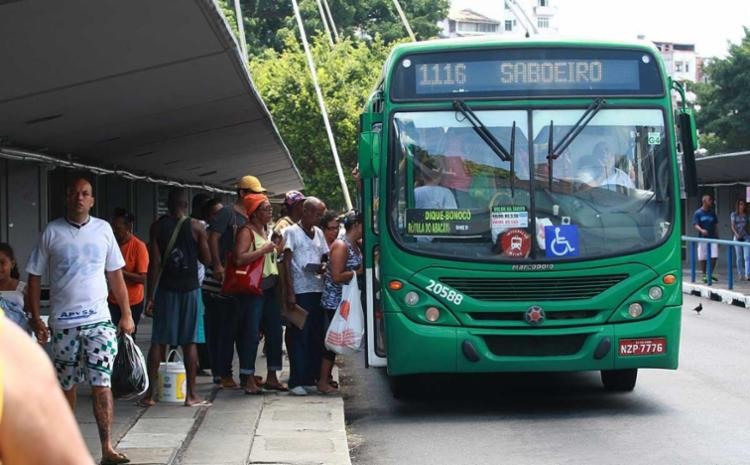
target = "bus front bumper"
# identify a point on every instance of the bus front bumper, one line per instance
(420, 348)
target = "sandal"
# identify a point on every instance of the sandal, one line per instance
(275, 387)
(115, 460)
(254, 393)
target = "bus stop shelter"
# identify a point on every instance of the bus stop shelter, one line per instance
(154, 88)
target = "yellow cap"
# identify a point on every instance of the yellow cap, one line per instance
(250, 183)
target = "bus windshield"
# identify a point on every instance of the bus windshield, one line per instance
(608, 193)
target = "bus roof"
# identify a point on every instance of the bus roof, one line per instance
(500, 41)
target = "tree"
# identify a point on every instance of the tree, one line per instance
(347, 73)
(270, 23)
(724, 102)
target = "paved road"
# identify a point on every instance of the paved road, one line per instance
(699, 414)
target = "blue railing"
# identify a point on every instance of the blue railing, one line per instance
(693, 244)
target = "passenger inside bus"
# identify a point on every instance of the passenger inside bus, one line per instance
(429, 194)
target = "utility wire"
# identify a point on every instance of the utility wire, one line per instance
(333, 23)
(321, 102)
(404, 20)
(241, 29)
(324, 18)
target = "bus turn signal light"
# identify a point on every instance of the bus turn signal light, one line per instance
(669, 279)
(395, 285)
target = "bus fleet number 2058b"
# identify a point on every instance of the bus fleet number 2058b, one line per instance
(441, 290)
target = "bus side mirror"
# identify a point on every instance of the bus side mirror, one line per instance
(687, 140)
(369, 154)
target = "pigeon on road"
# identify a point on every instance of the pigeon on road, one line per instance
(698, 308)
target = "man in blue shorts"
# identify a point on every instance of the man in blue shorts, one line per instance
(705, 222)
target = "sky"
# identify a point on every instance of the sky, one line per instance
(708, 25)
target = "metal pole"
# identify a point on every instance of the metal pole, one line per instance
(730, 266)
(333, 23)
(692, 261)
(404, 20)
(321, 102)
(708, 262)
(325, 22)
(240, 29)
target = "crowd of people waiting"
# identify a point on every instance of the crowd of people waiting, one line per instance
(103, 279)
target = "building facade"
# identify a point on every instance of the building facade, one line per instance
(515, 18)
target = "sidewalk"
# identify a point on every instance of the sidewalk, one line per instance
(274, 428)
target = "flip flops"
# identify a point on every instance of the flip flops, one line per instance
(275, 387)
(115, 460)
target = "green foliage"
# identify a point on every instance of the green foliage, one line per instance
(347, 74)
(724, 116)
(270, 23)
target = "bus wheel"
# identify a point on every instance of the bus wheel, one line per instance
(403, 387)
(619, 380)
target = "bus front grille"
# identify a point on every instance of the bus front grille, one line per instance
(534, 289)
(535, 346)
(519, 316)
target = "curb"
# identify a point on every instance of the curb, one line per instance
(726, 296)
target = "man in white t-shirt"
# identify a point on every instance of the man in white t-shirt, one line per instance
(78, 251)
(304, 247)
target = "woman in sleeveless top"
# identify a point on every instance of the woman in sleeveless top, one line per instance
(252, 244)
(738, 222)
(345, 264)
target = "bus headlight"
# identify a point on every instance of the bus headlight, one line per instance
(411, 298)
(635, 309)
(432, 314)
(655, 293)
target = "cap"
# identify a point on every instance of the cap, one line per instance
(292, 197)
(251, 202)
(250, 183)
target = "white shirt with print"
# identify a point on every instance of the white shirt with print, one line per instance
(305, 250)
(77, 259)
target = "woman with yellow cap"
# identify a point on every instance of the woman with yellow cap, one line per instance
(252, 243)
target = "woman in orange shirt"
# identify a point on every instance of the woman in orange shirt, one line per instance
(135, 253)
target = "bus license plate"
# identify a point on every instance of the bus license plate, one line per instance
(653, 346)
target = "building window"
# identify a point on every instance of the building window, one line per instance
(484, 27)
(678, 66)
(543, 23)
(687, 67)
(451, 26)
(508, 25)
(543, 2)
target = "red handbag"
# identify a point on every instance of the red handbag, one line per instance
(243, 279)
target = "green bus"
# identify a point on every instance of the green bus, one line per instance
(522, 209)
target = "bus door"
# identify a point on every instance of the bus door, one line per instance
(369, 166)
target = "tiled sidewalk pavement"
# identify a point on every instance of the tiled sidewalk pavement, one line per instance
(236, 429)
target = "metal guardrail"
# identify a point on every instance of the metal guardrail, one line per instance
(693, 241)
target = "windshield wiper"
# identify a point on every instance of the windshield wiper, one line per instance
(483, 132)
(554, 153)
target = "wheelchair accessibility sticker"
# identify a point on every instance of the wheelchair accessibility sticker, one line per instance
(561, 240)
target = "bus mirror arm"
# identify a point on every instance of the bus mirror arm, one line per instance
(369, 154)
(685, 120)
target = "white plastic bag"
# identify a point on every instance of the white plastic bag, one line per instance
(347, 329)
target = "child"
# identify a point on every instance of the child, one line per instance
(12, 290)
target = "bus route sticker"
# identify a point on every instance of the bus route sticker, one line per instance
(654, 138)
(505, 217)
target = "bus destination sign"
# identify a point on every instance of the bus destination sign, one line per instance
(526, 72)
(504, 75)
(425, 222)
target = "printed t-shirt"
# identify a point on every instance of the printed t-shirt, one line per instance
(706, 220)
(135, 254)
(305, 250)
(77, 258)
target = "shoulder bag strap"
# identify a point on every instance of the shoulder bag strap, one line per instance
(168, 250)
